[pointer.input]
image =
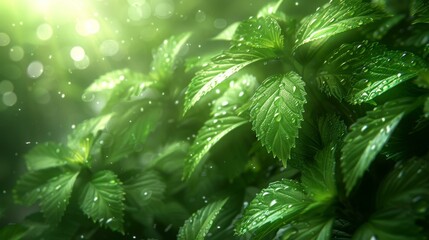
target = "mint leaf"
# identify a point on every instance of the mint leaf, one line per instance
(55, 196)
(47, 155)
(263, 32)
(90, 127)
(228, 33)
(379, 73)
(27, 189)
(334, 18)
(140, 119)
(313, 229)
(281, 202)
(407, 183)
(319, 176)
(212, 131)
(166, 57)
(199, 224)
(277, 111)
(368, 135)
(269, 9)
(145, 188)
(219, 69)
(102, 199)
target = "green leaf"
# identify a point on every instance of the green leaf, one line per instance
(269, 9)
(367, 136)
(87, 128)
(219, 69)
(228, 33)
(379, 73)
(55, 196)
(212, 131)
(27, 189)
(334, 18)
(199, 224)
(420, 11)
(319, 176)
(392, 224)
(145, 188)
(407, 183)
(140, 120)
(47, 155)
(331, 129)
(166, 57)
(102, 199)
(277, 111)
(313, 229)
(262, 32)
(281, 202)
(13, 232)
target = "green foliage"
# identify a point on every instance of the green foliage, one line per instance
(340, 92)
(276, 113)
(199, 224)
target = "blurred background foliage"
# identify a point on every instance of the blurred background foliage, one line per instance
(51, 50)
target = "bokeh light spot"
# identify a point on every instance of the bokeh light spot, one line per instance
(77, 53)
(219, 23)
(16, 53)
(9, 99)
(164, 10)
(4, 39)
(44, 32)
(6, 86)
(82, 64)
(35, 69)
(109, 47)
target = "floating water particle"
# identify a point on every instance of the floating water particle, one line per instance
(35, 69)
(4, 39)
(16, 53)
(44, 32)
(200, 16)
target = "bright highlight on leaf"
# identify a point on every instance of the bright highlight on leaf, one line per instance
(275, 205)
(334, 18)
(367, 136)
(277, 111)
(199, 224)
(102, 199)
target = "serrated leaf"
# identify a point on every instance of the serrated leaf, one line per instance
(140, 120)
(166, 57)
(419, 9)
(319, 176)
(145, 188)
(86, 128)
(13, 232)
(55, 196)
(47, 155)
(228, 33)
(269, 9)
(281, 202)
(379, 73)
(108, 81)
(27, 189)
(314, 229)
(199, 224)
(331, 129)
(392, 224)
(277, 111)
(212, 131)
(219, 69)
(367, 136)
(334, 18)
(102, 199)
(407, 183)
(263, 32)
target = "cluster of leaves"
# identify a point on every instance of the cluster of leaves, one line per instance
(320, 121)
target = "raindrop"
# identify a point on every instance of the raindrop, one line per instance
(364, 127)
(95, 199)
(273, 202)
